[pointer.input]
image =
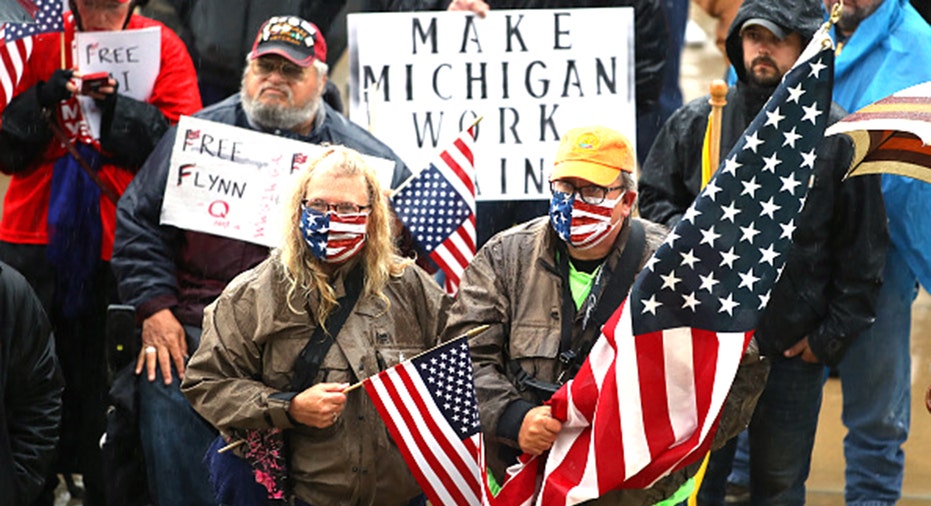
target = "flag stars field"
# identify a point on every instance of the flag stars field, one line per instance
(747, 219)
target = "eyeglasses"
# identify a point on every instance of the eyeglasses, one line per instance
(288, 70)
(322, 206)
(591, 194)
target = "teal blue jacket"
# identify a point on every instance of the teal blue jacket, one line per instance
(888, 52)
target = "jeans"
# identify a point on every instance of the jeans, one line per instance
(174, 439)
(781, 436)
(877, 391)
(740, 470)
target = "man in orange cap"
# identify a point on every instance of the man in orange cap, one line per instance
(546, 287)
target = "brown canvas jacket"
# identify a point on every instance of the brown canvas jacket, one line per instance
(250, 341)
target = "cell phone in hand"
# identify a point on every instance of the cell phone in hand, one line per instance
(121, 334)
(91, 83)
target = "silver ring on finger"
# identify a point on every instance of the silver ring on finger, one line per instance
(150, 349)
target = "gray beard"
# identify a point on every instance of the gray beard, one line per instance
(277, 116)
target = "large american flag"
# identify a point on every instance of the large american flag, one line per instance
(647, 400)
(17, 44)
(430, 408)
(438, 207)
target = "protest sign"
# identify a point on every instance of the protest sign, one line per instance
(418, 79)
(231, 181)
(131, 57)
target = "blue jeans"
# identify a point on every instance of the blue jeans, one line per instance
(877, 391)
(174, 439)
(740, 471)
(781, 436)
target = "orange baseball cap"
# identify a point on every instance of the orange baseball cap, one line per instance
(596, 154)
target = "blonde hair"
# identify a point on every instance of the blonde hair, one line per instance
(304, 272)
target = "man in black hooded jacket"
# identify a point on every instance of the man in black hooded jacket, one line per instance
(827, 291)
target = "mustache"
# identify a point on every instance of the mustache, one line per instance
(763, 59)
(286, 91)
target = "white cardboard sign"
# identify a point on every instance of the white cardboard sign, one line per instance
(418, 79)
(230, 181)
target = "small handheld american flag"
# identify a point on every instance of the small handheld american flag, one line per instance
(438, 207)
(17, 41)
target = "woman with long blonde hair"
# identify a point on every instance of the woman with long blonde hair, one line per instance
(334, 290)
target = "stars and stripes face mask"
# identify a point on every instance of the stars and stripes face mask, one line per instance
(580, 224)
(331, 237)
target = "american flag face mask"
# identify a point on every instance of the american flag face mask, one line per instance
(331, 237)
(580, 224)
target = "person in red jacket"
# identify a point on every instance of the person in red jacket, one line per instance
(59, 212)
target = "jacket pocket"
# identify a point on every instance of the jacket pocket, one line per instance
(278, 360)
(535, 348)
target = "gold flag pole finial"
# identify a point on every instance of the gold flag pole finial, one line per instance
(836, 11)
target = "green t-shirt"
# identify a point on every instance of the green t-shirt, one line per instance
(580, 284)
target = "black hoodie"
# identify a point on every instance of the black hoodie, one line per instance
(801, 16)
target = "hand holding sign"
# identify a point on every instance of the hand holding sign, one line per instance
(127, 61)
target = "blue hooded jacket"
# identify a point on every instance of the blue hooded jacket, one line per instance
(888, 52)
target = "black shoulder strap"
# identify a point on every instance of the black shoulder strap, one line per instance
(612, 295)
(307, 364)
(622, 279)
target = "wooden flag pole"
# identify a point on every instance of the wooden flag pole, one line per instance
(718, 100)
(468, 335)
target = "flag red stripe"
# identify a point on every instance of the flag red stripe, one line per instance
(454, 250)
(610, 463)
(652, 371)
(568, 474)
(406, 453)
(9, 67)
(898, 99)
(450, 270)
(705, 350)
(456, 169)
(442, 264)
(469, 236)
(465, 149)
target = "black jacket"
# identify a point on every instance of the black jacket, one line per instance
(159, 267)
(31, 384)
(129, 130)
(833, 272)
(650, 37)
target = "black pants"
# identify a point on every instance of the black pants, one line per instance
(80, 345)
